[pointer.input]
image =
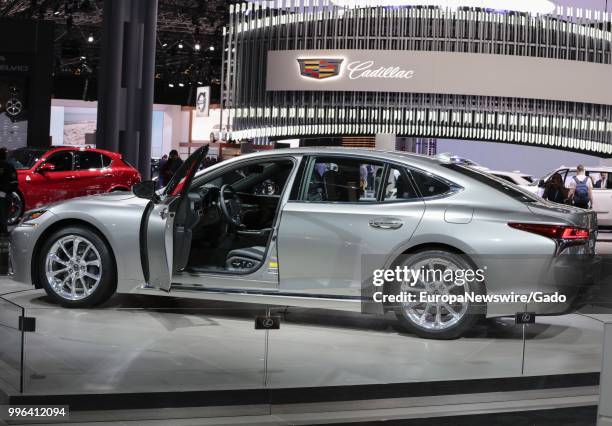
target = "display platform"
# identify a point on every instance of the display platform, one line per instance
(139, 343)
(150, 352)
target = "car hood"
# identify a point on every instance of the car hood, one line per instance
(115, 199)
(574, 215)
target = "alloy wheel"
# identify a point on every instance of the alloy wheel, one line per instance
(73, 267)
(440, 315)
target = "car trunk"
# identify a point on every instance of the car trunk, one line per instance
(586, 219)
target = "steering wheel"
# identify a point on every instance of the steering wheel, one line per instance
(230, 207)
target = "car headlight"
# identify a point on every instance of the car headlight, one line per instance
(30, 216)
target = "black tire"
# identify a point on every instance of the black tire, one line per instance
(16, 208)
(473, 314)
(108, 277)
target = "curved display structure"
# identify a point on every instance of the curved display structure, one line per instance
(321, 69)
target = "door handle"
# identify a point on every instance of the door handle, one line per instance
(386, 223)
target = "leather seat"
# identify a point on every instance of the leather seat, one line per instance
(245, 258)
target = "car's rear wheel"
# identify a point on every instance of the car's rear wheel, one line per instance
(15, 208)
(76, 268)
(438, 320)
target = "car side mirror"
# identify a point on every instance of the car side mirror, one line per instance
(541, 183)
(146, 190)
(46, 167)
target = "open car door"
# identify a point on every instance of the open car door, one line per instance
(158, 236)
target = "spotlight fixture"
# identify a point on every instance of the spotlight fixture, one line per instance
(211, 48)
(90, 39)
(181, 85)
(170, 84)
(180, 45)
(200, 83)
(197, 46)
(164, 44)
(83, 58)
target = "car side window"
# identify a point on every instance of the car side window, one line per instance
(61, 160)
(106, 160)
(348, 180)
(86, 160)
(398, 186)
(569, 176)
(429, 185)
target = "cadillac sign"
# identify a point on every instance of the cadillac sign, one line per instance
(319, 68)
(449, 73)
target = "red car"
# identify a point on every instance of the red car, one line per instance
(47, 175)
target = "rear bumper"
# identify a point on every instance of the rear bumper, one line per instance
(577, 277)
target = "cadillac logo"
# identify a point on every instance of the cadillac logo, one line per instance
(320, 68)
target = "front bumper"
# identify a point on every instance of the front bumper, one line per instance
(22, 244)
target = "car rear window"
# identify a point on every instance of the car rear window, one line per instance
(494, 182)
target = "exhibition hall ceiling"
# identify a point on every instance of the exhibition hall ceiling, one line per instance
(189, 37)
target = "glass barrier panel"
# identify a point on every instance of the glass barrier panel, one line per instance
(571, 341)
(138, 343)
(11, 346)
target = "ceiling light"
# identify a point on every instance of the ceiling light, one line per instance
(90, 39)
(170, 85)
(164, 44)
(197, 46)
(530, 6)
(200, 83)
(180, 45)
(211, 48)
(181, 85)
(83, 58)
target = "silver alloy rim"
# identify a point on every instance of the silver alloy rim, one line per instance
(429, 315)
(73, 267)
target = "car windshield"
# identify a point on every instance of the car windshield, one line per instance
(500, 184)
(25, 158)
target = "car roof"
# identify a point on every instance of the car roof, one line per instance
(368, 152)
(53, 149)
(503, 172)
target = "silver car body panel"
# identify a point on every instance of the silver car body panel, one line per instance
(317, 250)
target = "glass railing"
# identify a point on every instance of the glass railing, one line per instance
(142, 344)
(11, 346)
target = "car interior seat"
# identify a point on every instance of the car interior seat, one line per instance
(245, 258)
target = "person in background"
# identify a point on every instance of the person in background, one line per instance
(554, 189)
(603, 182)
(160, 179)
(170, 166)
(581, 189)
(8, 184)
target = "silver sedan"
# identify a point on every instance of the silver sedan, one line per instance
(318, 228)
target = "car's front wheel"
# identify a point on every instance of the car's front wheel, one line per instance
(76, 268)
(15, 208)
(433, 314)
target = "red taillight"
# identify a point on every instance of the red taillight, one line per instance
(557, 232)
